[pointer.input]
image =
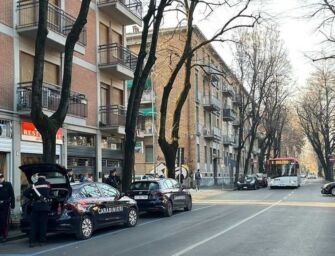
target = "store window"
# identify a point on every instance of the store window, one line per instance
(111, 143)
(84, 140)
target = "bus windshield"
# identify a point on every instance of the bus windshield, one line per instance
(282, 169)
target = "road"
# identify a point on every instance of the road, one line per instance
(231, 223)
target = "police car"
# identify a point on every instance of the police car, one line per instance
(160, 195)
(79, 208)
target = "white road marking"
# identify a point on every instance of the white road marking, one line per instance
(110, 233)
(187, 249)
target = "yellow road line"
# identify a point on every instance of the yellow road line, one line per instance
(264, 202)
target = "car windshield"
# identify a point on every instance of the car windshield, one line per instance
(52, 177)
(144, 186)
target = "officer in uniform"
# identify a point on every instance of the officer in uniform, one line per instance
(7, 201)
(39, 193)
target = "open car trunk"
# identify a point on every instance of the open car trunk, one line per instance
(56, 175)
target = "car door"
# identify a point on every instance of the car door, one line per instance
(95, 205)
(179, 195)
(173, 193)
(115, 208)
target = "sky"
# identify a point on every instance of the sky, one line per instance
(298, 33)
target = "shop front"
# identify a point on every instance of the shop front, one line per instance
(32, 148)
(81, 154)
(112, 154)
(6, 147)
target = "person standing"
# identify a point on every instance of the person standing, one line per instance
(197, 177)
(7, 201)
(40, 195)
(113, 180)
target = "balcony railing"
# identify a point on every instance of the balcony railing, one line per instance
(147, 97)
(228, 90)
(134, 6)
(212, 133)
(51, 95)
(113, 116)
(236, 99)
(57, 20)
(228, 140)
(212, 103)
(228, 114)
(114, 54)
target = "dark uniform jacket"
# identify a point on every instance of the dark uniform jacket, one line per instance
(41, 203)
(114, 181)
(7, 195)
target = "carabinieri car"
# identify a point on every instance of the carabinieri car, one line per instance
(160, 195)
(79, 208)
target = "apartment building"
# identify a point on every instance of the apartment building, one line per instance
(209, 121)
(91, 140)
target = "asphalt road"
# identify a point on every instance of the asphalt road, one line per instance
(231, 223)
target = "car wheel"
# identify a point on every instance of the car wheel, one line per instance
(332, 191)
(132, 218)
(85, 229)
(188, 206)
(168, 210)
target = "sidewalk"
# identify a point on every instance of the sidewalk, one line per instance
(14, 232)
(207, 192)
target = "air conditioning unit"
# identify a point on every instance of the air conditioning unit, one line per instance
(3, 130)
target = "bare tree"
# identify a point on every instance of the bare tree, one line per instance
(48, 126)
(261, 61)
(316, 112)
(323, 11)
(240, 19)
(145, 62)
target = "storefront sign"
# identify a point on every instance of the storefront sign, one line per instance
(30, 133)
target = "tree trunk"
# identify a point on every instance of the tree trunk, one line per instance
(170, 152)
(49, 145)
(129, 160)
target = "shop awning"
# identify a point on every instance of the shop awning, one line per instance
(148, 84)
(148, 111)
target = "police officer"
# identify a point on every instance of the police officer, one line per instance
(39, 193)
(7, 201)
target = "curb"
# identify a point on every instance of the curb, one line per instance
(16, 237)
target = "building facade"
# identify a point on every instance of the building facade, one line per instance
(91, 140)
(209, 121)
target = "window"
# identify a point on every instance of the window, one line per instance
(149, 157)
(144, 186)
(197, 85)
(197, 114)
(81, 140)
(175, 184)
(198, 153)
(168, 184)
(91, 190)
(107, 190)
(206, 154)
(211, 155)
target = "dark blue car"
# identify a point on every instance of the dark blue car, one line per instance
(79, 208)
(160, 195)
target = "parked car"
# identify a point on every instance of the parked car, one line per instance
(303, 175)
(328, 189)
(311, 176)
(248, 182)
(79, 208)
(160, 195)
(262, 180)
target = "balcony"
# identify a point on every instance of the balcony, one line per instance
(51, 95)
(211, 103)
(147, 97)
(228, 140)
(236, 100)
(228, 91)
(236, 122)
(127, 12)
(59, 24)
(113, 118)
(228, 114)
(117, 60)
(212, 133)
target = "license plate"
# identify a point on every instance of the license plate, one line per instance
(141, 197)
(245, 187)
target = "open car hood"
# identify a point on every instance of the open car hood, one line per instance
(54, 173)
